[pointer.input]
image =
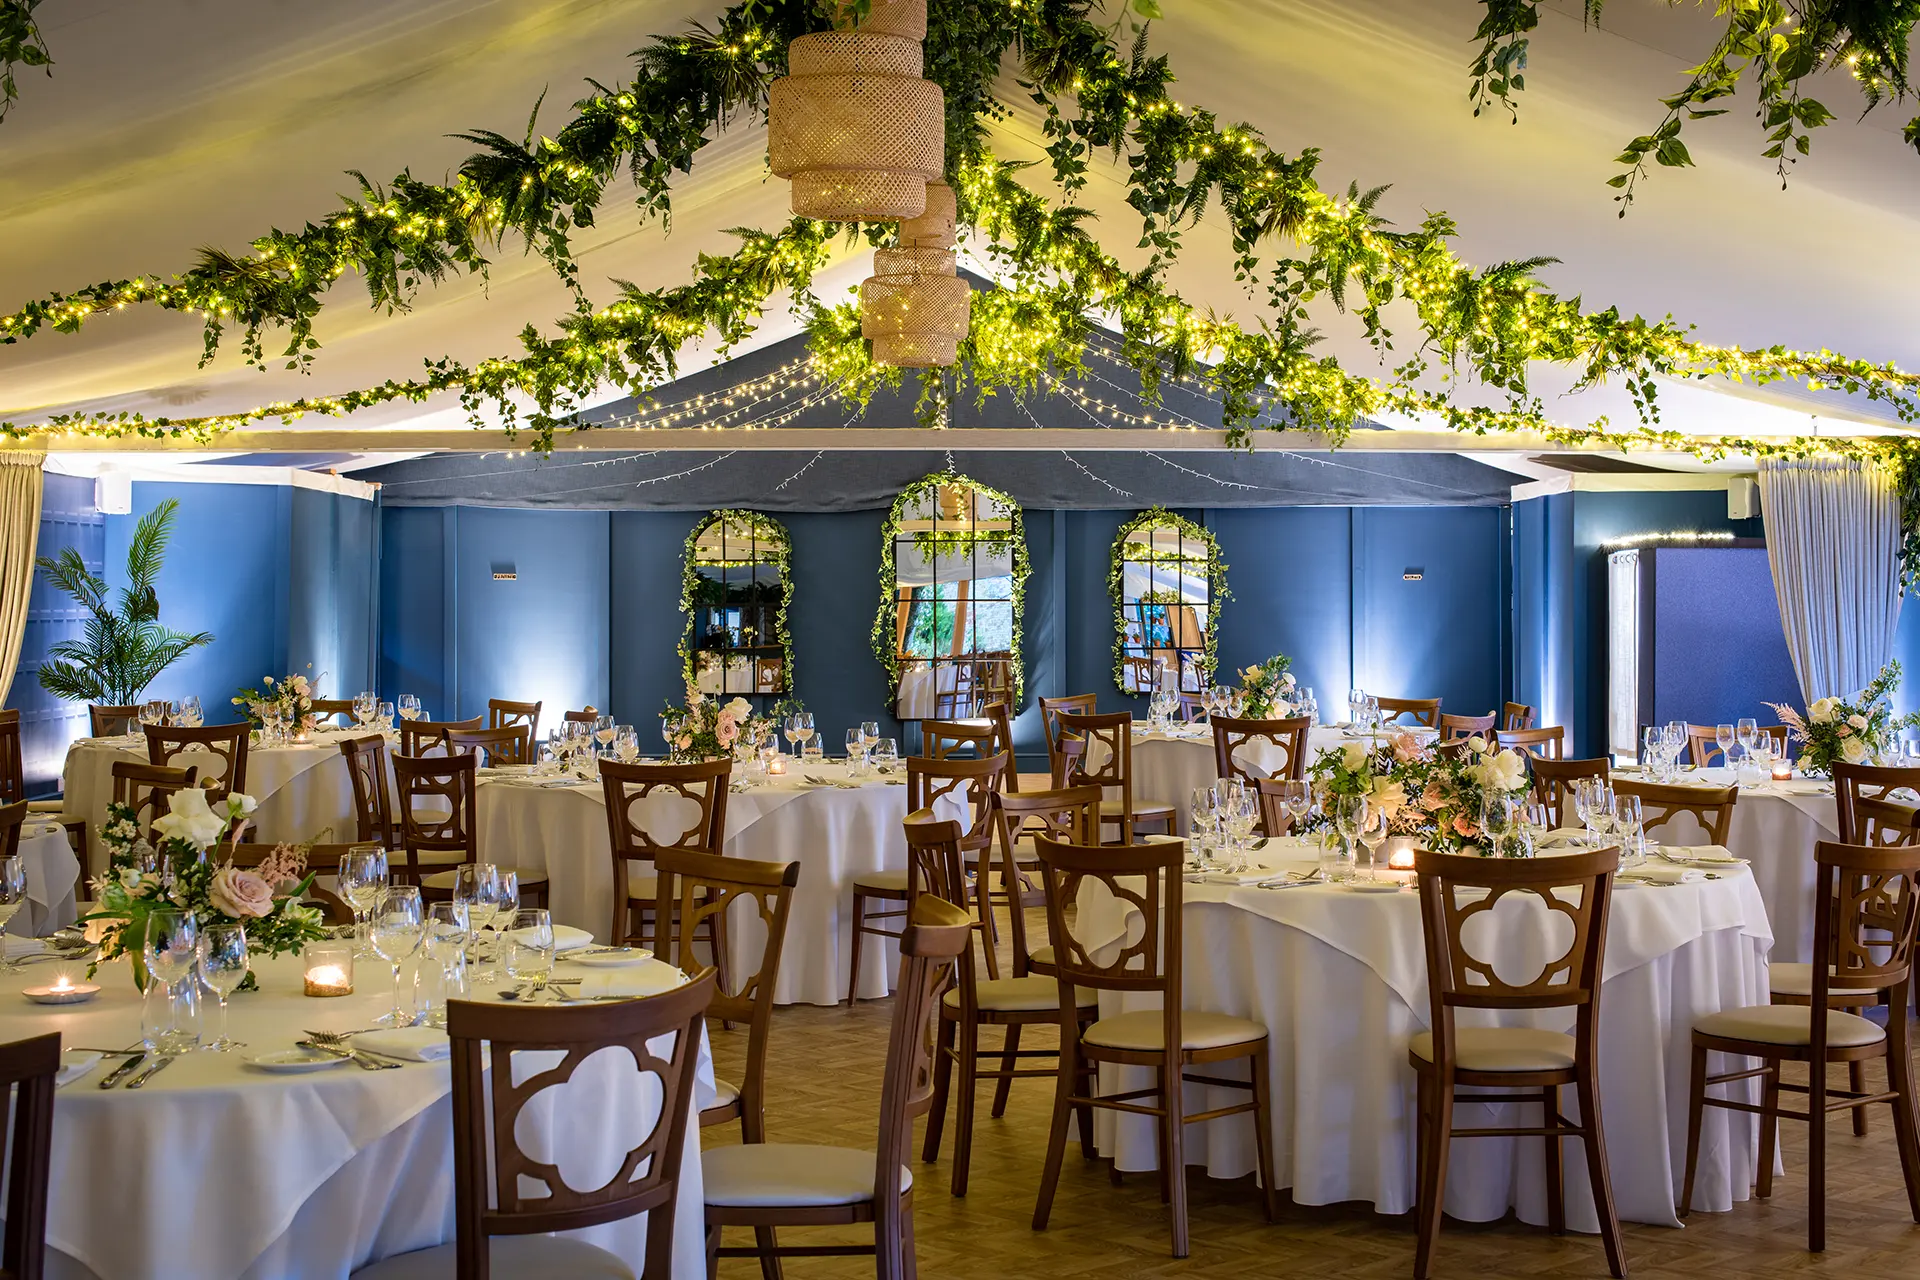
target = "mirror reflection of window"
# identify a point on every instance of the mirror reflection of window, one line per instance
(954, 566)
(1165, 608)
(737, 598)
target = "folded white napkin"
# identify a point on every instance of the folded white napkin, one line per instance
(565, 938)
(1698, 853)
(634, 980)
(1666, 873)
(1252, 875)
(414, 1044)
(75, 1063)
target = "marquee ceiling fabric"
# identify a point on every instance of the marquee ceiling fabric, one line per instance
(174, 124)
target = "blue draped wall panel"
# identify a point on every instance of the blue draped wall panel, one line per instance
(68, 518)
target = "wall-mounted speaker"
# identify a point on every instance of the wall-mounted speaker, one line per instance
(113, 494)
(1743, 498)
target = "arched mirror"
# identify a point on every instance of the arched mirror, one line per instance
(1167, 582)
(953, 574)
(736, 588)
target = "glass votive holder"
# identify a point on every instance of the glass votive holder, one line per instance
(1783, 770)
(329, 969)
(777, 766)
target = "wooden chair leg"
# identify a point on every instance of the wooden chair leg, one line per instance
(965, 1087)
(1057, 1129)
(1176, 1153)
(1696, 1109)
(713, 1252)
(1263, 1134)
(1817, 1157)
(763, 1239)
(1556, 1192)
(909, 1260)
(942, 1081)
(717, 942)
(1433, 1175)
(1857, 1081)
(1586, 1089)
(853, 967)
(1009, 1059)
(1086, 1079)
(989, 930)
(1160, 1140)
(1906, 1127)
(1769, 1133)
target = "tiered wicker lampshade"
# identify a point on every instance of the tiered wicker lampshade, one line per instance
(853, 124)
(914, 306)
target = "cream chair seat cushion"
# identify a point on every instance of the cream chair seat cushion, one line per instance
(1110, 808)
(1789, 1024)
(1502, 1049)
(1142, 1030)
(1031, 994)
(445, 879)
(725, 1094)
(1797, 980)
(756, 1175)
(512, 1258)
(884, 881)
(1041, 955)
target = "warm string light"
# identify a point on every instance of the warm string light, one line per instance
(1684, 538)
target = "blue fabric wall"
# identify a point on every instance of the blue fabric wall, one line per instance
(68, 518)
(1718, 647)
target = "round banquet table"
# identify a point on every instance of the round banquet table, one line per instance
(53, 874)
(302, 789)
(1338, 978)
(217, 1170)
(836, 831)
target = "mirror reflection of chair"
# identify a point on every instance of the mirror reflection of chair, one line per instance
(737, 592)
(1167, 579)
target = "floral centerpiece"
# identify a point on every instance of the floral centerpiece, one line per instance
(1436, 796)
(293, 695)
(1858, 730)
(1266, 687)
(704, 729)
(176, 873)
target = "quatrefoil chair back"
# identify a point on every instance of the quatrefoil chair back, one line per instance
(1867, 901)
(960, 740)
(1864, 798)
(436, 821)
(1454, 728)
(1424, 711)
(1529, 1063)
(1071, 814)
(1105, 760)
(507, 1200)
(1516, 715)
(149, 788)
(27, 1072)
(1080, 704)
(367, 771)
(1288, 735)
(651, 807)
(424, 737)
(225, 744)
(695, 888)
(501, 714)
(1147, 878)
(325, 709)
(776, 1184)
(508, 744)
(1540, 744)
(1002, 716)
(1710, 808)
(1553, 781)
(111, 722)
(1703, 742)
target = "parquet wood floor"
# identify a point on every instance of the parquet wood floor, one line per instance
(824, 1086)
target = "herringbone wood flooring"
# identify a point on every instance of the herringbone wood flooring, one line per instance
(824, 1086)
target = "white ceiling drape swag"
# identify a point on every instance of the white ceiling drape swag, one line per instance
(19, 539)
(1833, 541)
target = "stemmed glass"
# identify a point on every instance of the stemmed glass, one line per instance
(1356, 702)
(1204, 809)
(792, 730)
(366, 705)
(223, 967)
(475, 888)
(171, 951)
(1535, 821)
(1748, 732)
(1496, 819)
(1346, 812)
(13, 891)
(1298, 798)
(447, 934)
(529, 955)
(153, 711)
(626, 744)
(363, 878)
(1723, 737)
(1239, 812)
(804, 720)
(189, 714)
(409, 706)
(383, 717)
(397, 928)
(886, 754)
(1626, 825)
(604, 731)
(870, 735)
(856, 750)
(1371, 828)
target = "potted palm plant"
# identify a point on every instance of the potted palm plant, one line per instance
(124, 648)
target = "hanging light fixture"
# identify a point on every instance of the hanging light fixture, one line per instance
(914, 306)
(853, 124)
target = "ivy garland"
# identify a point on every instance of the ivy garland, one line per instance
(886, 645)
(768, 533)
(1217, 590)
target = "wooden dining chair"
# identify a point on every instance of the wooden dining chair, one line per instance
(1529, 1064)
(1454, 728)
(1230, 734)
(1866, 900)
(694, 889)
(325, 709)
(507, 1198)
(323, 860)
(970, 782)
(1026, 999)
(508, 744)
(13, 766)
(226, 743)
(781, 1184)
(367, 774)
(1276, 819)
(1192, 707)
(1424, 711)
(586, 715)
(437, 821)
(424, 737)
(642, 803)
(148, 789)
(1106, 761)
(501, 713)
(1711, 808)
(1140, 674)
(1553, 780)
(1070, 814)
(1540, 744)
(28, 1070)
(1865, 798)
(1516, 715)
(965, 740)
(1051, 709)
(1703, 744)
(11, 816)
(1001, 714)
(112, 722)
(1170, 1039)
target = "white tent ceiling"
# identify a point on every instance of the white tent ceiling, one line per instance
(174, 124)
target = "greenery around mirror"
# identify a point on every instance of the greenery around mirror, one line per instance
(122, 650)
(1134, 545)
(1006, 540)
(728, 556)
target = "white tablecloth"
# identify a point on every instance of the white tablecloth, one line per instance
(835, 833)
(52, 876)
(1339, 980)
(916, 700)
(216, 1170)
(1168, 766)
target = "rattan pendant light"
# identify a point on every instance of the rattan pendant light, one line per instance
(914, 307)
(853, 124)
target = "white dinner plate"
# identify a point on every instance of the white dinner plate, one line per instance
(613, 959)
(294, 1060)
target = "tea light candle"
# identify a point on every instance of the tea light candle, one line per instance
(777, 766)
(1400, 854)
(329, 971)
(1783, 770)
(63, 990)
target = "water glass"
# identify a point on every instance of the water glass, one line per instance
(396, 929)
(171, 953)
(1627, 826)
(886, 754)
(366, 705)
(447, 934)
(223, 967)
(383, 717)
(529, 953)
(363, 878)
(626, 743)
(190, 714)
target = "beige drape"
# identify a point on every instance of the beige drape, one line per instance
(19, 538)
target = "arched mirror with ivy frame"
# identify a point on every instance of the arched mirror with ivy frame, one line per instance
(953, 576)
(735, 588)
(1168, 582)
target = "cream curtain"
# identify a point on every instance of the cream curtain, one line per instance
(19, 538)
(1833, 540)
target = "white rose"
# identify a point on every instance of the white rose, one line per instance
(1477, 745)
(1857, 720)
(741, 709)
(1823, 710)
(189, 818)
(1353, 756)
(1503, 771)
(1287, 681)
(1855, 750)
(240, 804)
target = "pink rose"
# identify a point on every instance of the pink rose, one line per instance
(725, 729)
(1406, 747)
(1843, 732)
(684, 741)
(1462, 827)
(240, 893)
(1432, 797)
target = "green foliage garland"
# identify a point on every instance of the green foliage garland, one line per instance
(1217, 592)
(21, 44)
(767, 532)
(885, 642)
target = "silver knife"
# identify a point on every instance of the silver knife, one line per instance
(120, 1072)
(160, 1064)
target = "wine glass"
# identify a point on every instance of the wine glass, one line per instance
(529, 954)
(791, 727)
(1496, 819)
(190, 712)
(1627, 826)
(1203, 807)
(474, 888)
(1748, 732)
(870, 734)
(1356, 700)
(363, 878)
(153, 711)
(856, 750)
(383, 717)
(1372, 831)
(1298, 798)
(409, 706)
(223, 967)
(626, 743)
(170, 951)
(1535, 821)
(396, 929)
(1723, 737)
(1239, 813)
(1346, 812)
(1583, 805)
(447, 933)
(604, 731)
(13, 890)
(805, 720)
(366, 704)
